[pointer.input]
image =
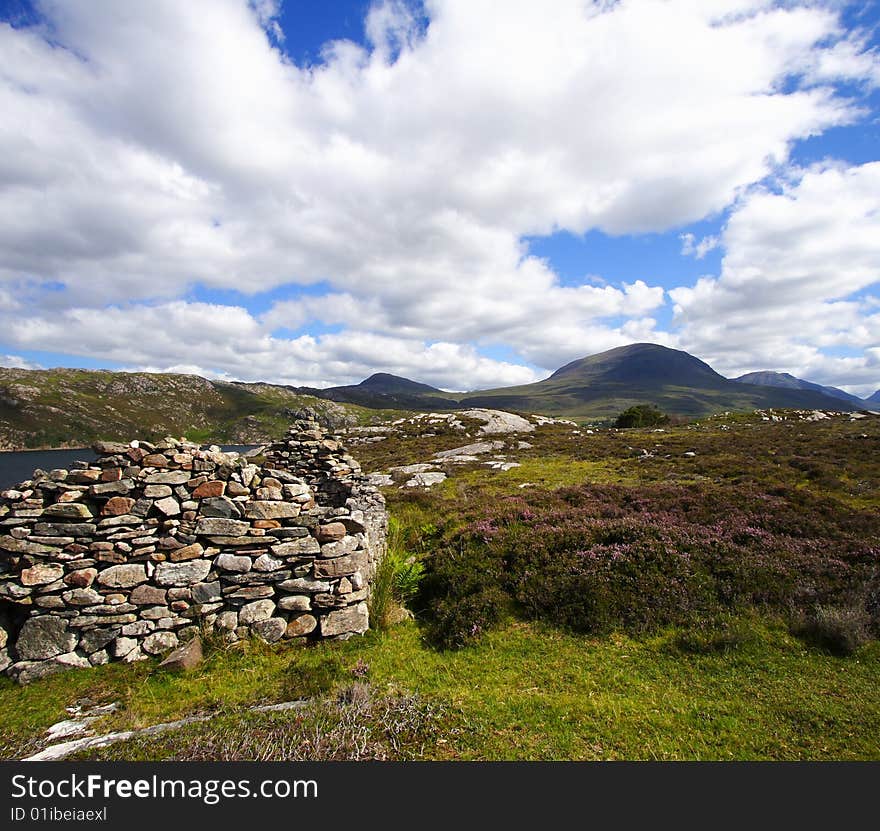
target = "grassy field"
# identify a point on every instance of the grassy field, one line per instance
(766, 523)
(525, 692)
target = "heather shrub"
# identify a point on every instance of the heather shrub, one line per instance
(457, 621)
(600, 557)
(619, 575)
(462, 592)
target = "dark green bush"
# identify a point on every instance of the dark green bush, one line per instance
(642, 415)
(459, 621)
(463, 594)
(396, 582)
(618, 576)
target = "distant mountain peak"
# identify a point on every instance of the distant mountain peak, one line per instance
(640, 363)
(386, 382)
(785, 380)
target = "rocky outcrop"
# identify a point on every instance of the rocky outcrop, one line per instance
(130, 556)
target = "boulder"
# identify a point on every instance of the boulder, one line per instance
(265, 509)
(339, 548)
(41, 574)
(341, 566)
(187, 552)
(117, 506)
(352, 620)
(145, 595)
(44, 637)
(211, 526)
(171, 477)
(221, 507)
(299, 626)
(270, 630)
(331, 532)
(295, 603)
(255, 612)
(185, 657)
(232, 562)
(206, 592)
(169, 506)
(15, 546)
(304, 546)
(208, 489)
(159, 642)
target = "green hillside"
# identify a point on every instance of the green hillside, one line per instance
(74, 407)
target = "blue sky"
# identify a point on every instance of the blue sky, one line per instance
(464, 193)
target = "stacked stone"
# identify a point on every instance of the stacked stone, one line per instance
(128, 556)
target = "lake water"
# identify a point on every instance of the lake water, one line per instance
(17, 466)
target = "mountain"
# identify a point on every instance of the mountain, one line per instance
(786, 381)
(74, 407)
(874, 399)
(385, 391)
(601, 386)
(383, 382)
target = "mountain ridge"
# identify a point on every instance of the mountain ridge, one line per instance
(769, 378)
(45, 408)
(602, 385)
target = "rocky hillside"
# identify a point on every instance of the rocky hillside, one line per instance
(73, 407)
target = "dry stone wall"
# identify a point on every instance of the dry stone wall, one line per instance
(126, 557)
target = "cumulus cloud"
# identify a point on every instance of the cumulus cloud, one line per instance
(149, 148)
(226, 342)
(17, 362)
(692, 247)
(795, 267)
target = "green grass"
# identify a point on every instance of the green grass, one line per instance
(527, 690)
(524, 692)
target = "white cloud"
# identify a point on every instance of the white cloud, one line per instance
(796, 263)
(691, 247)
(226, 342)
(147, 148)
(17, 362)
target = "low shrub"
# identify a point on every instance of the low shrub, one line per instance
(841, 630)
(463, 594)
(459, 621)
(600, 557)
(642, 415)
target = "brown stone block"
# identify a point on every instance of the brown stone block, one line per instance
(117, 506)
(206, 489)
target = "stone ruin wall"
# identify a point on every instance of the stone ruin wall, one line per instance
(126, 557)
